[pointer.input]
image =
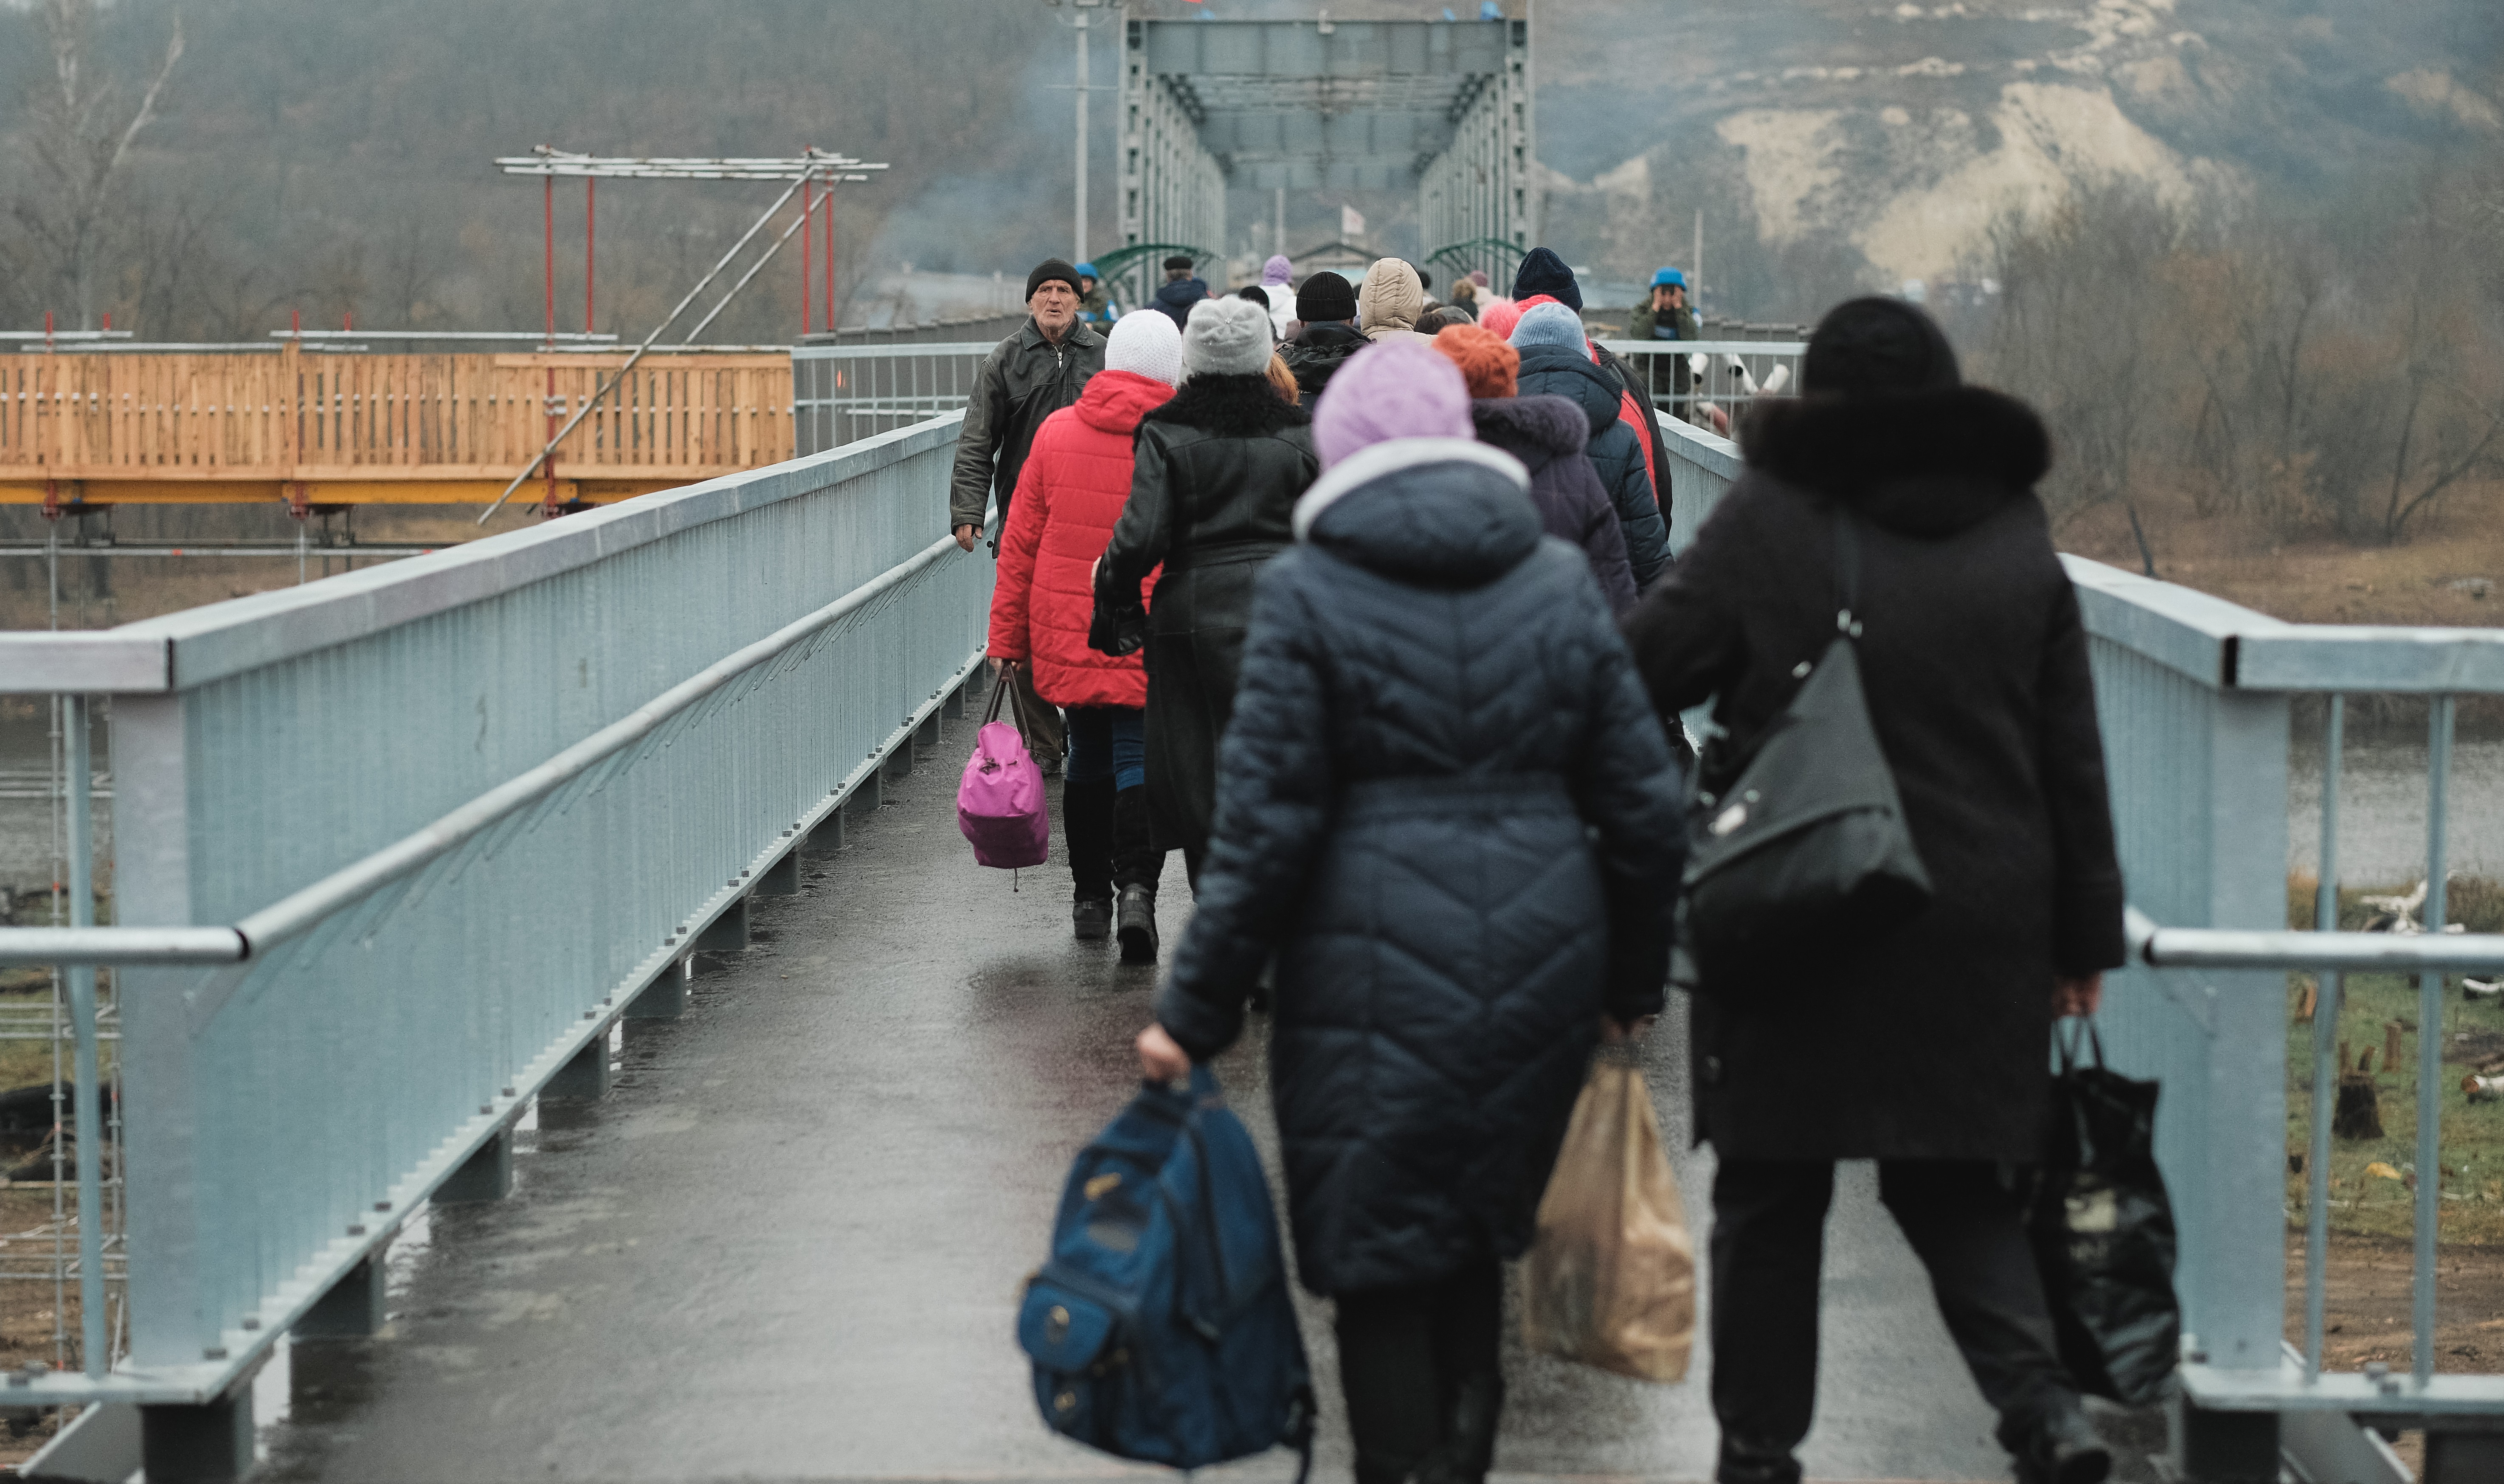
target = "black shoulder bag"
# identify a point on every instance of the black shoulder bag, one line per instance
(1808, 851)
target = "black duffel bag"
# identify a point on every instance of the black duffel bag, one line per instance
(1808, 851)
(2103, 1231)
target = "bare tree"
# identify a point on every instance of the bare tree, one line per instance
(81, 144)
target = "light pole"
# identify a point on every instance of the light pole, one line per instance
(1079, 16)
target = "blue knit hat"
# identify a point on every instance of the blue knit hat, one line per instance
(1543, 272)
(1548, 324)
(1667, 278)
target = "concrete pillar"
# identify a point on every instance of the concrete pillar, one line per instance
(926, 735)
(208, 1444)
(353, 1308)
(727, 933)
(487, 1175)
(954, 707)
(585, 1077)
(782, 877)
(664, 998)
(867, 797)
(827, 838)
(898, 762)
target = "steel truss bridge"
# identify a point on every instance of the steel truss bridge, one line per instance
(1440, 107)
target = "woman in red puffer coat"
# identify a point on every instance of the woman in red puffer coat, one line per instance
(1076, 479)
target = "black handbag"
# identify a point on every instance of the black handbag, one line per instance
(2103, 1231)
(1808, 850)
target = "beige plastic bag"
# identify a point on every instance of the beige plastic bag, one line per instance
(1609, 1280)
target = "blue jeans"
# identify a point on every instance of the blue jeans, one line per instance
(1107, 742)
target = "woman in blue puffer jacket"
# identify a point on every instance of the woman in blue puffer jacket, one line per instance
(1445, 807)
(1557, 361)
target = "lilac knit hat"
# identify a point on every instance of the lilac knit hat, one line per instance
(1277, 270)
(1396, 389)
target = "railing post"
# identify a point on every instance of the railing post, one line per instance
(169, 1320)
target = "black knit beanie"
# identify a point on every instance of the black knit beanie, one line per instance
(1876, 347)
(1048, 271)
(1323, 297)
(1543, 272)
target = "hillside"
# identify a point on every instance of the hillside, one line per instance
(333, 159)
(1833, 140)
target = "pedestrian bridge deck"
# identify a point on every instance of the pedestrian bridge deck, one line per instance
(788, 1244)
(404, 850)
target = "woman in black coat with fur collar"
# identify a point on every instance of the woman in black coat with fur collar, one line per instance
(1925, 1049)
(1213, 486)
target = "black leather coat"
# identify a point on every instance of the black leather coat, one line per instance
(1447, 809)
(1316, 354)
(1213, 482)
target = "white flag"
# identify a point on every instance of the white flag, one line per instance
(1351, 223)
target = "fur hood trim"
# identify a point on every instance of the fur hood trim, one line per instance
(1926, 464)
(1245, 407)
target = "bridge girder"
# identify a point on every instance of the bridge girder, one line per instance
(1441, 108)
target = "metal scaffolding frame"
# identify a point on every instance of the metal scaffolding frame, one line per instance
(1442, 107)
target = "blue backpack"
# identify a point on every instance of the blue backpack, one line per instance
(1161, 1329)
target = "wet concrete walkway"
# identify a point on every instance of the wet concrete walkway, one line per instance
(790, 1243)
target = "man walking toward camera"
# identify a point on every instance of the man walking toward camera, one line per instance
(1026, 378)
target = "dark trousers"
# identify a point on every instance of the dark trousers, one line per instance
(1420, 1370)
(1768, 1242)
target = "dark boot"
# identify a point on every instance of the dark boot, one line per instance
(1136, 865)
(2062, 1448)
(1747, 1462)
(1135, 922)
(1086, 833)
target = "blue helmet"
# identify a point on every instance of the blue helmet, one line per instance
(1667, 278)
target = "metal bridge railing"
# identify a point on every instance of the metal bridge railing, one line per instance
(1727, 374)
(2196, 699)
(397, 848)
(841, 393)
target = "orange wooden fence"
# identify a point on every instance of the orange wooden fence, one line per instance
(352, 429)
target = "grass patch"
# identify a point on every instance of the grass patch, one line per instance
(2472, 1034)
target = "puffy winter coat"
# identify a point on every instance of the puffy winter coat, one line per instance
(1928, 1043)
(1024, 380)
(1547, 433)
(1315, 354)
(1212, 488)
(1450, 812)
(1560, 370)
(1076, 479)
(1176, 298)
(1634, 402)
(1389, 302)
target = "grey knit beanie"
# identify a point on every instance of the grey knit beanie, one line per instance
(1226, 338)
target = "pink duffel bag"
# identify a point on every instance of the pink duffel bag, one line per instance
(999, 802)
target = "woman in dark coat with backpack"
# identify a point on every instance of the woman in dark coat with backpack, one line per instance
(1448, 812)
(1925, 1049)
(1215, 474)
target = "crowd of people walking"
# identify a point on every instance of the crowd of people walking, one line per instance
(1283, 557)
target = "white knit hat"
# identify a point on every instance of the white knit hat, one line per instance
(1145, 341)
(1227, 337)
